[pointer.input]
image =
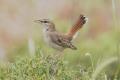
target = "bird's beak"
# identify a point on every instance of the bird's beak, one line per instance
(38, 21)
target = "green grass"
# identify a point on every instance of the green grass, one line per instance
(41, 67)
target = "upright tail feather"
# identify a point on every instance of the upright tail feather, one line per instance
(78, 25)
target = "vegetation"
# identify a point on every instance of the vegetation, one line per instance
(41, 67)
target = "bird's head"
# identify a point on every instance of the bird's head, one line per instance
(47, 24)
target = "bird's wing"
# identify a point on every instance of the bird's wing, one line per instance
(62, 40)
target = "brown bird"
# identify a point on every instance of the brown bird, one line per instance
(59, 40)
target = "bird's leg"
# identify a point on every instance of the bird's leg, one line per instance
(58, 54)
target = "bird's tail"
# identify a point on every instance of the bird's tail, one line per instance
(78, 25)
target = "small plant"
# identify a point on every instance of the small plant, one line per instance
(36, 68)
(40, 67)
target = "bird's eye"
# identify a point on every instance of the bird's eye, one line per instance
(45, 21)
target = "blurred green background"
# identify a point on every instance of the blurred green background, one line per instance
(98, 40)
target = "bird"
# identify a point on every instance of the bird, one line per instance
(59, 40)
